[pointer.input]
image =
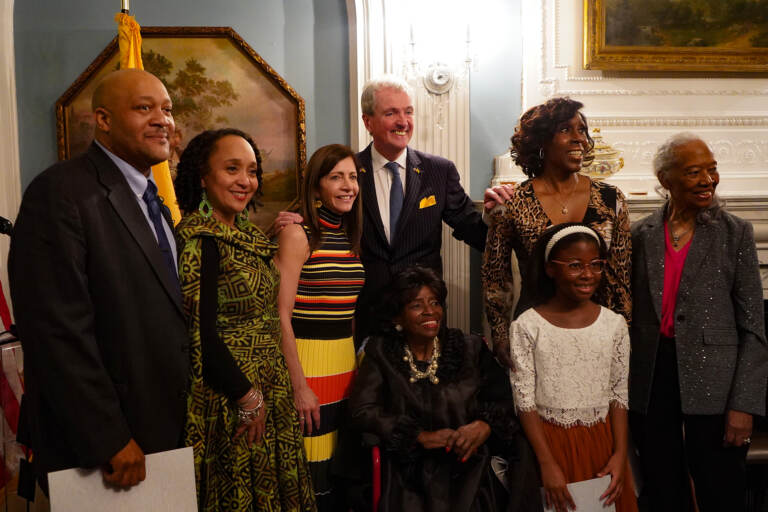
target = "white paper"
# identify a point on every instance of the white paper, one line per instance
(586, 495)
(169, 486)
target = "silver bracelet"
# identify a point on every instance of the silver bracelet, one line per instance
(249, 415)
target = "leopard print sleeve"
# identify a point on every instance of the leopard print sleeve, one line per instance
(611, 220)
(496, 274)
(620, 259)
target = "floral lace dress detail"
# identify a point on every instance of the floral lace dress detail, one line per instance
(570, 376)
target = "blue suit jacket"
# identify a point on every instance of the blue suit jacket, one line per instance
(433, 195)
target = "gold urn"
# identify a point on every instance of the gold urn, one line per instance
(607, 160)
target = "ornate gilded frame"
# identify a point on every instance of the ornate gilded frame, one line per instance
(599, 55)
(286, 101)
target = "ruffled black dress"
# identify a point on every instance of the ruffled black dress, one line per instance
(471, 386)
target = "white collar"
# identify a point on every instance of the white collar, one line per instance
(378, 161)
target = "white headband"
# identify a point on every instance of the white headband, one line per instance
(565, 232)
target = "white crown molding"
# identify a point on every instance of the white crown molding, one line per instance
(660, 92)
(677, 121)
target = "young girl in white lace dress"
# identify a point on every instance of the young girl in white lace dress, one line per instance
(571, 360)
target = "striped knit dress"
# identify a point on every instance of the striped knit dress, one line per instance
(329, 284)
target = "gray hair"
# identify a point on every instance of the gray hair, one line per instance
(666, 158)
(368, 97)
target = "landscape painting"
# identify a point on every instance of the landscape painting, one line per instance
(704, 23)
(215, 80)
(676, 35)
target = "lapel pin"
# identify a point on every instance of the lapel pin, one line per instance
(417, 170)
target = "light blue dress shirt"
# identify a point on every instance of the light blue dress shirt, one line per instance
(138, 183)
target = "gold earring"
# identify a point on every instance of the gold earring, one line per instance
(318, 203)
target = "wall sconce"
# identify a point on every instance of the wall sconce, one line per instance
(436, 74)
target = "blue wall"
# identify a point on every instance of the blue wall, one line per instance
(495, 99)
(305, 41)
(495, 88)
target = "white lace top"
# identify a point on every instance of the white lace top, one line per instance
(570, 376)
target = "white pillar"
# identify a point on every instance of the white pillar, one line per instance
(378, 44)
(10, 182)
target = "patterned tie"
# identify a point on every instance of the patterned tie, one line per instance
(395, 198)
(155, 214)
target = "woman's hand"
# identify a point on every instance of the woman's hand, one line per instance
(442, 438)
(254, 428)
(738, 428)
(555, 490)
(615, 467)
(308, 407)
(470, 437)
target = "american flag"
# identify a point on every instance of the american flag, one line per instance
(11, 389)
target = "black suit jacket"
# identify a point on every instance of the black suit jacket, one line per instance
(104, 337)
(433, 195)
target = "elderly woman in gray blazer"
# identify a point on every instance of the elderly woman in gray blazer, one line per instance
(699, 362)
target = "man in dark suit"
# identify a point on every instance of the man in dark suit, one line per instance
(96, 295)
(407, 195)
(404, 228)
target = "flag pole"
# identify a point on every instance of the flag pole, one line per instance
(126, 6)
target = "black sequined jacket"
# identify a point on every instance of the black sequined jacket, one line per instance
(719, 325)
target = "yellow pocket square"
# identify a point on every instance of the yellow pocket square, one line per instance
(426, 202)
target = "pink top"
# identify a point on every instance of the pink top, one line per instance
(674, 261)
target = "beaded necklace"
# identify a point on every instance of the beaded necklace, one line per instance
(431, 371)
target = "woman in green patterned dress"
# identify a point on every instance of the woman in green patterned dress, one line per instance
(241, 421)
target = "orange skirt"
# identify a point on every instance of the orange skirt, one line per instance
(581, 452)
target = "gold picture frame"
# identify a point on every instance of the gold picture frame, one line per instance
(215, 80)
(724, 47)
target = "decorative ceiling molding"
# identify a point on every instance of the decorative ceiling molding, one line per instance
(693, 121)
(662, 92)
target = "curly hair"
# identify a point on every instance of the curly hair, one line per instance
(538, 126)
(193, 165)
(403, 288)
(536, 276)
(320, 164)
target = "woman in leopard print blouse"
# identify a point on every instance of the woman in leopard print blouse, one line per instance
(551, 144)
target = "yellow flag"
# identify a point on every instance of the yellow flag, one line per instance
(129, 38)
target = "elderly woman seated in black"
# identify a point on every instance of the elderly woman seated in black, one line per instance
(441, 405)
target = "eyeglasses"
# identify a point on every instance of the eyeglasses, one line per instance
(576, 268)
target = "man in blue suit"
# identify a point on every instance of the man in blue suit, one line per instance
(407, 195)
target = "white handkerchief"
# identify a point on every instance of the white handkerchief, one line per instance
(586, 495)
(169, 486)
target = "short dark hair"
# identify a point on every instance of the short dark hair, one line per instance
(537, 280)
(193, 165)
(320, 164)
(538, 126)
(403, 288)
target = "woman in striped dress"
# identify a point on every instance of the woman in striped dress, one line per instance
(321, 276)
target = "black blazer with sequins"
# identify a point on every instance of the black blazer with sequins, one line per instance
(722, 356)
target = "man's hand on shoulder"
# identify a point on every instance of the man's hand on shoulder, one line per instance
(496, 196)
(126, 467)
(283, 219)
